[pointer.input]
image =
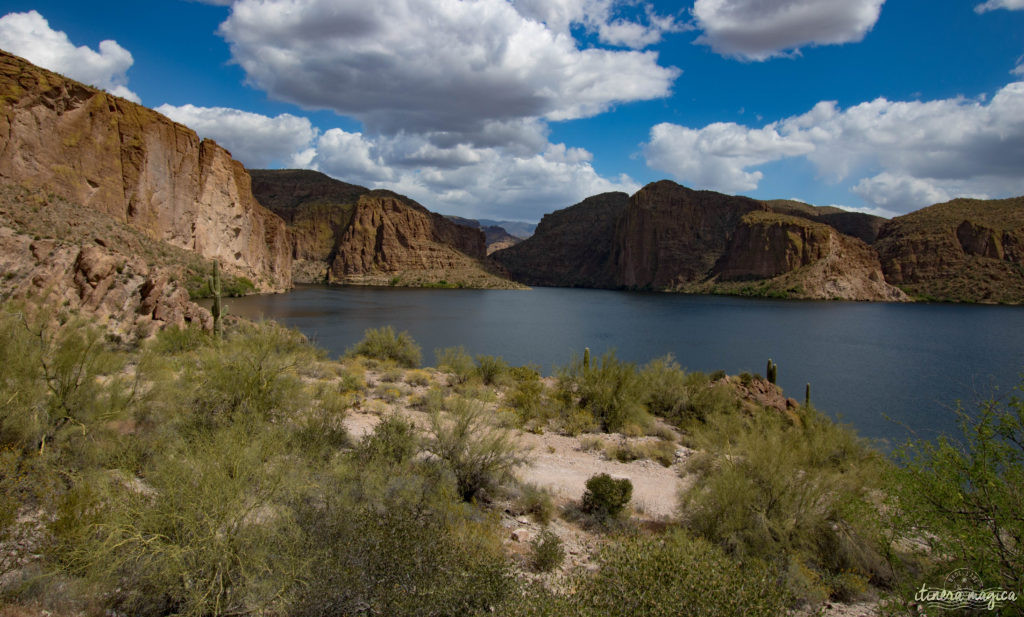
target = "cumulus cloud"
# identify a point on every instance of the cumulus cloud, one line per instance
(424, 66)
(904, 154)
(465, 180)
(30, 36)
(992, 5)
(761, 29)
(719, 154)
(256, 140)
(600, 17)
(1019, 69)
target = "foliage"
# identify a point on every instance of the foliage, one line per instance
(771, 489)
(536, 501)
(492, 370)
(477, 452)
(962, 499)
(548, 552)
(199, 285)
(174, 340)
(385, 344)
(610, 390)
(606, 497)
(456, 361)
(394, 441)
(674, 574)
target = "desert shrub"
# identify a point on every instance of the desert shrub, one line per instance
(249, 376)
(606, 497)
(666, 386)
(456, 361)
(780, 491)
(394, 441)
(527, 398)
(492, 370)
(610, 390)
(417, 378)
(320, 431)
(478, 453)
(351, 380)
(387, 345)
(433, 401)
(393, 375)
(397, 542)
(548, 552)
(389, 394)
(205, 533)
(962, 498)
(175, 340)
(537, 502)
(674, 574)
(664, 452)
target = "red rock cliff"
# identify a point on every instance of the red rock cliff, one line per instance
(139, 167)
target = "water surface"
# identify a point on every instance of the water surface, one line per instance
(884, 368)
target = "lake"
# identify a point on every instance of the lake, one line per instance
(890, 370)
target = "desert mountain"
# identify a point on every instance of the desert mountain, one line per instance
(139, 168)
(669, 237)
(344, 233)
(965, 250)
(496, 237)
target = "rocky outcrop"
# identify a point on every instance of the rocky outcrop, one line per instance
(124, 295)
(765, 245)
(571, 247)
(671, 235)
(965, 250)
(392, 234)
(346, 234)
(138, 167)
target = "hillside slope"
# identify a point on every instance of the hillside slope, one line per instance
(138, 167)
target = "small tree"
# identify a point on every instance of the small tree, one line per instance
(606, 497)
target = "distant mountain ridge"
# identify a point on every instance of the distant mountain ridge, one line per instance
(348, 234)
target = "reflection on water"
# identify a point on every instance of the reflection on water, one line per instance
(881, 367)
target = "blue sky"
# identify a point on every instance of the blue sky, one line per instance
(510, 109)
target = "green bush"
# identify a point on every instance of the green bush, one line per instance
(673, 575)
(666, 386)
(456, 361)
(606, 497)
(492, 370)
(548, 552)
(384, 344)
(479, 454)
(610, 390)
(537, 501)
(963, 499)
(393, 442)
(779, 491)
(175, 340)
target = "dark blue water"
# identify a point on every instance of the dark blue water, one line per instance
(884, 368)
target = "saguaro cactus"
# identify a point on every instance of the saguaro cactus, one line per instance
(772, 372)
(216, 310)
(586, 358)
(807, 396)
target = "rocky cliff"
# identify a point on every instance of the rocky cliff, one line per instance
(669, 237)
(347, 234)
(138, 167)
(571, 247)
(965, 250)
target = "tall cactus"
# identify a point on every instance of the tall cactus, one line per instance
(586, 358)
(216, 310)
(772, 372)
(807, 396)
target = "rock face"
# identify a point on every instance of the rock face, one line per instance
(668, 237)
(347, 234)
(571, 247)
(391, 234)
(965, 250)
(671, 235)
(127, 297)
(140, 168)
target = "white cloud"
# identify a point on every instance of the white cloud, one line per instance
(599, 16)
(465, 180)
(992, 5)
(1019, 69)
(444, 67)
(30, 36)
(254, 139)
(761, 29)
(719, 154)
(900, 155)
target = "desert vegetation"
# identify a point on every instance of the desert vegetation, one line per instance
(191, 475)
